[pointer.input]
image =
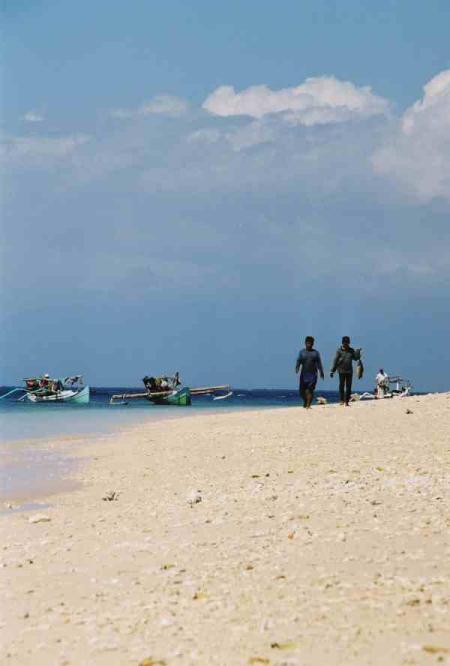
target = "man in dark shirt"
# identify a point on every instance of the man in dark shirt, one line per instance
(343, 363)
(310, 362)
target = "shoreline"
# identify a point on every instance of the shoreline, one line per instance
(274, 537)
(65, 446)
(60, 448)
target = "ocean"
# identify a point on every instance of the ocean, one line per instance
(35, 439)
(25, 420)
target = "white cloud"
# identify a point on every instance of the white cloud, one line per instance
(205, 195)
(240, 138)
(288, 139)
(319, 100)
(33, 117)
(262, 157)
(417, 154)
(204, 135)
(39, 151)
(252, 134)
(167, 105)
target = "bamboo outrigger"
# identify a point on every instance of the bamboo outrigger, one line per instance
(168, 391)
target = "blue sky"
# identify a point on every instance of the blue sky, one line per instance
(197, 186)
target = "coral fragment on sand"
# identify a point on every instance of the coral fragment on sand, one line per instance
(289, 645)
(39, 518)
(436, 649)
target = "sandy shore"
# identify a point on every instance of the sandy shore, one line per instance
(278, 537)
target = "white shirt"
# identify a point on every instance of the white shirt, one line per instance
(381, 378)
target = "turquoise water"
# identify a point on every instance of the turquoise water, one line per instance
(35, 439)
(25, 420)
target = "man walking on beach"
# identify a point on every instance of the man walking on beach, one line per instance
(343, 363)
(311, 364)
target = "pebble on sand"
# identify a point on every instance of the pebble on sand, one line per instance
(288, 645)
(39, 518)
(195, 499)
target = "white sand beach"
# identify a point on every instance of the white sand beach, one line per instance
(281, 537)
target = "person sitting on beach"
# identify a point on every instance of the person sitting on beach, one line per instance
(311, 364)
(343, 363)
(382, 383)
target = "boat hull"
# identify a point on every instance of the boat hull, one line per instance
(80, 397)
(181, 398)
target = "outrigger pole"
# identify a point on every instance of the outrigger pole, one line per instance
(206, 390)
(131, 396)
(13, 391)
(203, 390)
(22, 397)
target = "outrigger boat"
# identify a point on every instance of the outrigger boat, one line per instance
(396, 387)
(166, 390)
(402, 388)
(45, 389)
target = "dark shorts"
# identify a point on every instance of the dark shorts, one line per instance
(308, 381)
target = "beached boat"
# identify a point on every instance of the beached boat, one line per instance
(168, 390)
(396, 387)
(399, 387)
(49, 390)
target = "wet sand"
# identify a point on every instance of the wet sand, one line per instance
(33, 469)
(277, 537)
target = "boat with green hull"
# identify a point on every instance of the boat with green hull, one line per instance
(49, 390)
(180, 398)
(168, 390)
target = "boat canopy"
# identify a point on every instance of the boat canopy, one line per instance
(163, 383)
(74, 379)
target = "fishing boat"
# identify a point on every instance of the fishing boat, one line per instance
(180, 397)
(47, 389)
(399, 387)
(168, 390)
(395, 387)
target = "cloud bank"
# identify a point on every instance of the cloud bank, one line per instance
(324, 132)
(416, 156)
(319, 100)
(33, 117)
(39, 151)
(279, 219)
(166, 105)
